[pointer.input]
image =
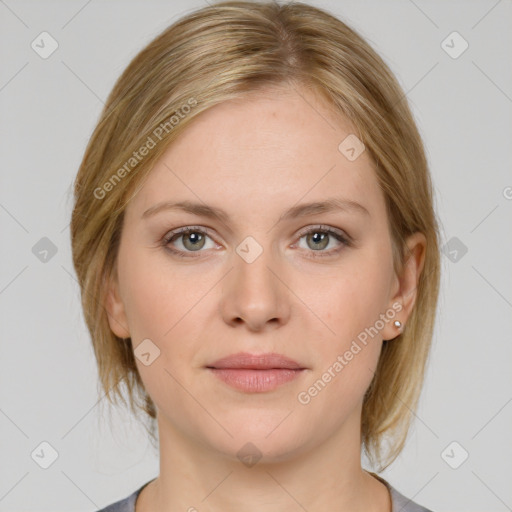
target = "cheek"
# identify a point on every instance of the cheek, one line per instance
(164, 306)
(148, 304)
(347, 359)
(352, 306)
(354, 302)
(156, 298)
(159, 307)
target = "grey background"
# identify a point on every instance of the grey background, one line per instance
(48, 377)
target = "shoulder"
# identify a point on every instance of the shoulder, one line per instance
(399, 502)
(126, 504)
(403, 504)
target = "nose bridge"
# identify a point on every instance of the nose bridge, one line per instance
(253, 262)
(253, 293)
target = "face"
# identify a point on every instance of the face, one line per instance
(258, 278)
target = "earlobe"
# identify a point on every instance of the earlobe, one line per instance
(115, 310)
(405, 296)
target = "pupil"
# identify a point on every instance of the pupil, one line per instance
(318, 237)
(194, 235)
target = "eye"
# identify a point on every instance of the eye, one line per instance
(193, 239)
(319, 238)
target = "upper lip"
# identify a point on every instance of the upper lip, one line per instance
(244, 360)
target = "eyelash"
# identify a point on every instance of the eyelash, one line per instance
(174, 235)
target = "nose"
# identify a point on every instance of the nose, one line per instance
(253, 294)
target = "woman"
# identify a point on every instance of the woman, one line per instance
(257, 250)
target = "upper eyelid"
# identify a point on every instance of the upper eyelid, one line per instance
(322, 227)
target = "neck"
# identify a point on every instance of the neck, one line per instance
(327, 475)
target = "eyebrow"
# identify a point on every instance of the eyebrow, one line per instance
(301, 210)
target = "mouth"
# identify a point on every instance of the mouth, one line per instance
(256, 373)
(246, 361)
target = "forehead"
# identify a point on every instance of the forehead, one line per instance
(269, 148)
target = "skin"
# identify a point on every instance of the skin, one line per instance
(255, 158)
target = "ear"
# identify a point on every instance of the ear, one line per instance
(115, 308)
(405, 287)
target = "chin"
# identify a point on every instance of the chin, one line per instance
(250, 451)
(265, 437)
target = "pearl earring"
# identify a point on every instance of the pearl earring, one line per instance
(398, 324)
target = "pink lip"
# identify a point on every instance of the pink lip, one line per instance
(256, 373)
(247, 361)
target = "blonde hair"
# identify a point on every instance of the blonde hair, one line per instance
(222, 52)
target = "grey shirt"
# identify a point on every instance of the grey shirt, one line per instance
(399, 502)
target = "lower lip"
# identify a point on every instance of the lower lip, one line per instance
(255, 381)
